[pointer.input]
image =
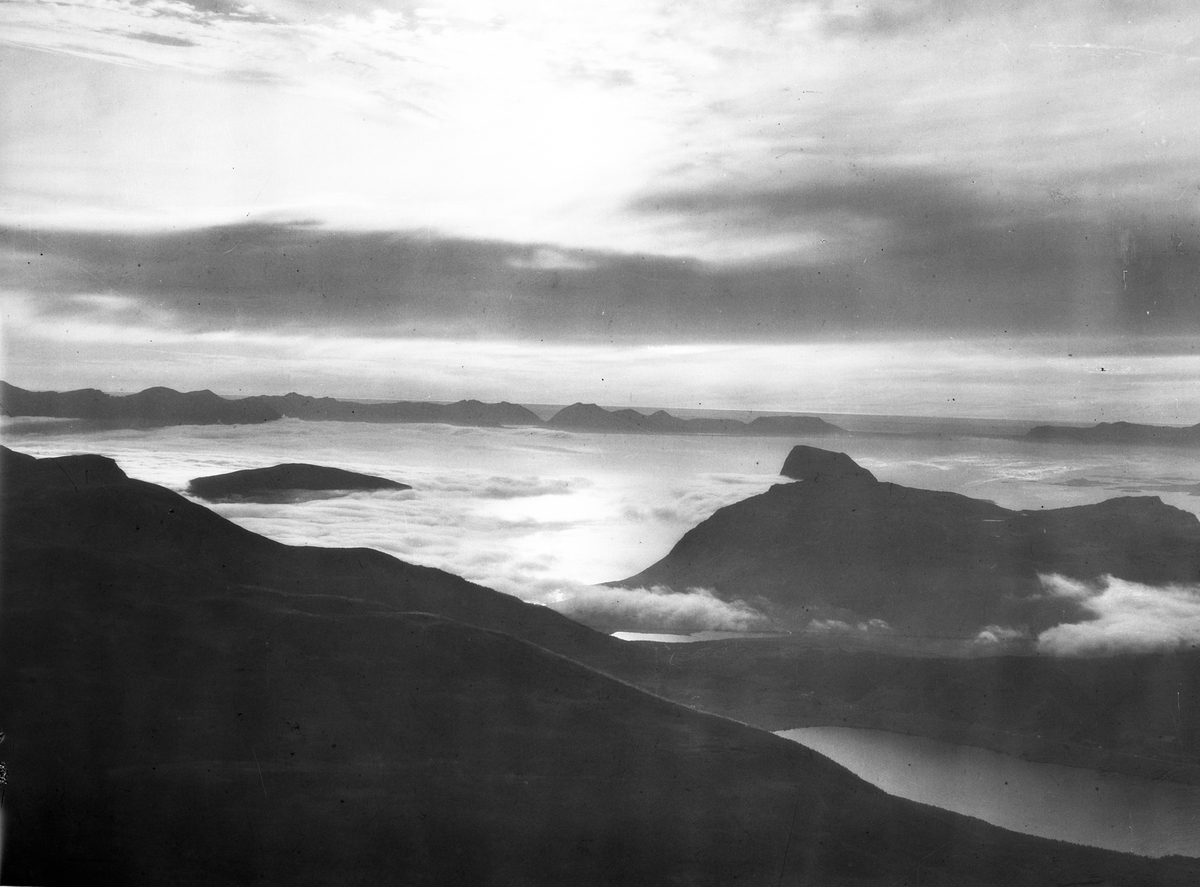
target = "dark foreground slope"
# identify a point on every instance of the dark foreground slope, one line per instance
(279, 481)
(183, 710)
(840, 545)
(1137, 714)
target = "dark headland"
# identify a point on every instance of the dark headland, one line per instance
(838, 544)
(186, 702)
(282, 481)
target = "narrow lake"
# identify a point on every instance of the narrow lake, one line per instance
(1148, 817)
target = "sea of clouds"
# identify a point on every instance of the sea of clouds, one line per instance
(550, 516)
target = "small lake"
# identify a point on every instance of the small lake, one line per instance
(1144, 816)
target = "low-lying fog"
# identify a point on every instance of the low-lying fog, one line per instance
(545, 515)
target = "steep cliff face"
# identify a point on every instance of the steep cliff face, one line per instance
(838, 544)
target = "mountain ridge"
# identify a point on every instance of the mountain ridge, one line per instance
(186, 702)
(157, 407)
(841, 547)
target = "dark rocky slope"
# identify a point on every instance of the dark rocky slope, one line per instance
(188, 703)
(1132, 714)
(840, 545)
(283, 481)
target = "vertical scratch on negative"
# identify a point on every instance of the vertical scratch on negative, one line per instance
(260, 776)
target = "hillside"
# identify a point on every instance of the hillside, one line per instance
(186, 702)
(839, 546)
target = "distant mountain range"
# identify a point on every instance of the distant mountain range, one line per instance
(152, 407)
(1124, 433)
(838, 546)
(589, 417)
(187, 702)
(163, 406)
(283, 481)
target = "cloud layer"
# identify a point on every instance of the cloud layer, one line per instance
(1017, 167)
(1128, 618)
(656, 609)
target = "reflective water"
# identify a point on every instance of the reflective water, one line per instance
(1148, 817)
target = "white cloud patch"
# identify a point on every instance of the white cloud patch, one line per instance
(1129, 617)
(999, 634)
(657, 608)
(838, 625)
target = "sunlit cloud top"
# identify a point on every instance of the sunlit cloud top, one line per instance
(621, 125)
(628, 172)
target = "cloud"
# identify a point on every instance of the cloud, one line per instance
(956, 267)
(655, 609)
(1128, 617)
(837, 625)
(999, 634)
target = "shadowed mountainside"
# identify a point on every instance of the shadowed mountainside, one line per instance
(1124, 433)
(186, 702)
(280, 481)
(1132, 714)
(840, 545)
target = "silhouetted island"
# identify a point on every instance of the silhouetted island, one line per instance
(838, 545)
(149, 408)
(590, 417)
(282, 481)
(188, 702)
(163, 406)
(1122, 433)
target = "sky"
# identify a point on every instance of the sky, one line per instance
(920, 206)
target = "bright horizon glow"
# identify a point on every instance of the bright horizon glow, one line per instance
(903, 207)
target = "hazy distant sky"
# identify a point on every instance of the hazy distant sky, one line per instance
(924, 205)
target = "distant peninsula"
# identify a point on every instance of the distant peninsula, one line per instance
(590, 417)
(285, 481)
(158, 407)
(1123, 433)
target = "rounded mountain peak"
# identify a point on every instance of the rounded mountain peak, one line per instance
(821, 466)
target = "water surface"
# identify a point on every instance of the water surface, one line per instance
(1126, 813)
